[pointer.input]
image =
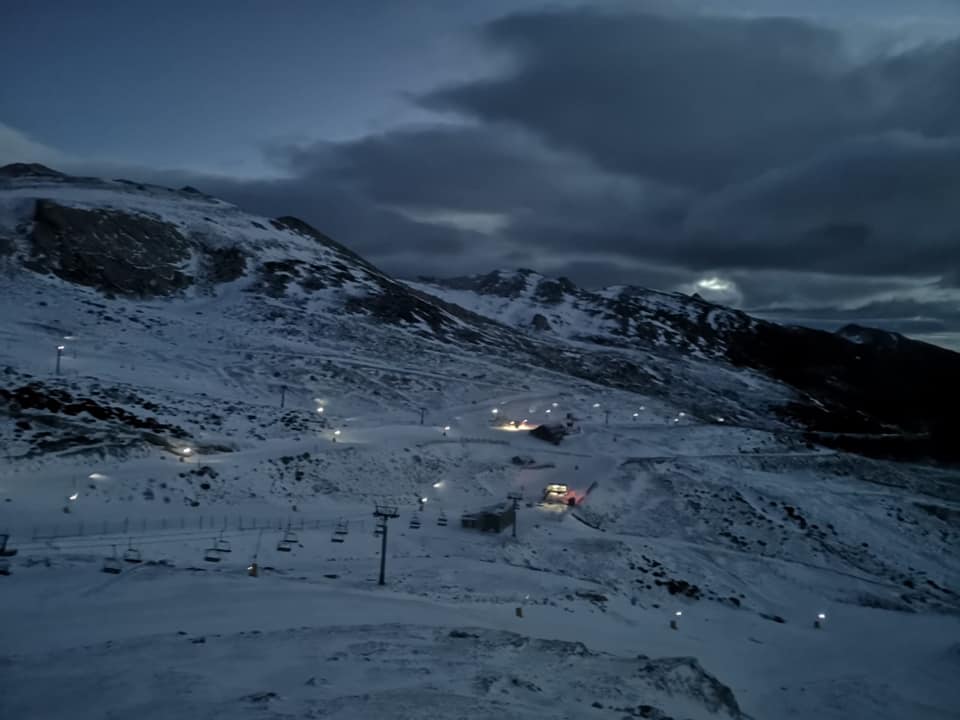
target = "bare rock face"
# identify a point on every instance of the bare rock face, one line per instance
(110, 250)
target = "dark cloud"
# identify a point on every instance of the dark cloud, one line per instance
(701, 101)
(662, 150)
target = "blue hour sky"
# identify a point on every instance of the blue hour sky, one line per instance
(798, 158)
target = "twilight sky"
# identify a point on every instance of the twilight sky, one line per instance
(796, 158)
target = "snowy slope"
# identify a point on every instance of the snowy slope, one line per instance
(164, 433)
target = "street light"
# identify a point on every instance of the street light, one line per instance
(60, 349)
(446, 429)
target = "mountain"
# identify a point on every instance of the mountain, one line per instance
(858, 380)
(228, 398)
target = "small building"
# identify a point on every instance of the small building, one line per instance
(555, 493)
(496, 518)
(550, 433)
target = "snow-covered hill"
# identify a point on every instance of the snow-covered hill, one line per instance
(620, 316)
(227, 378)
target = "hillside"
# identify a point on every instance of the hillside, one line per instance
(857, 381)
(209, 389)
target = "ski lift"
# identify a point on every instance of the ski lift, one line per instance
(414, 523)
(111, 563)
(4, 550)
(442, 520)
(284, 546)
(222, 545)
(290, 536)
(132, 554)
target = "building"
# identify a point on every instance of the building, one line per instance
(496, 518)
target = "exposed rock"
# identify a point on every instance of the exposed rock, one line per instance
(109, 250)
(540, 323)
(14, 170)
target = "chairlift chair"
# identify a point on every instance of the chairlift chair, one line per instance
(343, 528)
(336, 538)
(442, 520)
(284, 546)
(290, 536)
(212, 554)
(111, 563)
(4, 550)
(222, 545)
(414, 523)
(132, 555)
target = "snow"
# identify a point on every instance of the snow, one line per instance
(733, 524)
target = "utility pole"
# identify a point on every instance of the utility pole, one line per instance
(516, 497)
(384, 513)
(283, 395)
(60, 350)
(422, 413)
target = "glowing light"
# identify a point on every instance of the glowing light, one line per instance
(439, 483)
(423, 499)
(554, 404)
(720, 420)
(547, 411)
(60, 348)
(643, 407)
(596, 405)
(186, 451)
(821, 616)
(682, 414)
(636, 414)
(495, 411)
(678, 613)
(97, 476)
(446, 428)
(75, 496)
(714, 283)
(320, 410)
(516, 426)
(336, 432)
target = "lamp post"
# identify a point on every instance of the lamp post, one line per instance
(60, 349)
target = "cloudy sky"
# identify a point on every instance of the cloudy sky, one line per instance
(796, 158)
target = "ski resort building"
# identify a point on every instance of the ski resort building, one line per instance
(496, 518)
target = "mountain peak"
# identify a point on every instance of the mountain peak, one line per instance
(14, 170)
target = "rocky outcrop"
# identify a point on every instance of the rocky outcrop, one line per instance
(109, 250)
(15, 170)
(540, 323)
